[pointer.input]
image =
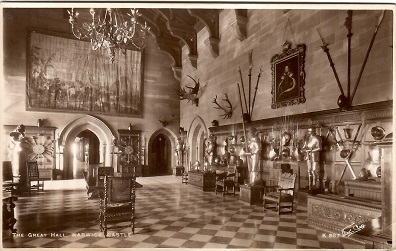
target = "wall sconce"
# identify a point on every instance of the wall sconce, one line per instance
(166, 122)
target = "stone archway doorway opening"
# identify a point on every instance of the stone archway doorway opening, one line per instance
(94, 128)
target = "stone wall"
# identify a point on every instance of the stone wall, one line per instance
(266, 32)
(160, 99)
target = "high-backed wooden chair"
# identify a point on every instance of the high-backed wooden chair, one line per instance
(117, 204)
(8, 179)
(224, 182)
(282, 194)
(33, 175)
(103, 171)
(185, 176)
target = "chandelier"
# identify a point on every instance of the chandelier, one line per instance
(109, 30)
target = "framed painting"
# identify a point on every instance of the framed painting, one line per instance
(65, 75)
(288, 76)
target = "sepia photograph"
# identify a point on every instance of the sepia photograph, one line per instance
(197, 125)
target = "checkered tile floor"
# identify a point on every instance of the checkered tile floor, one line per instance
(169, 215)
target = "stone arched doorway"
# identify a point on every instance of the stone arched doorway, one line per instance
(69, 133)
(161, 158)
(196, 138)
(85, 152)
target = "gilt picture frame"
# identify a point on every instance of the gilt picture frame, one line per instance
(288, 76)
(64, 74)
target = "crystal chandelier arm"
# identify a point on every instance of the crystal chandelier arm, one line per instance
(109, 30)
(73, 20)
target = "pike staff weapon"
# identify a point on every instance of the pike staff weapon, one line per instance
(255, 91)
(339, 135)
(368, 53)
(243, 89)
(335, 137)
(347, 164)
(326, 50)
(348, 25)
(357, 133)
(250, 77)
(243, 123)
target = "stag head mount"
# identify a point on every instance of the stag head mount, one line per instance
(191, 94)
(166, 122)
(227, 108)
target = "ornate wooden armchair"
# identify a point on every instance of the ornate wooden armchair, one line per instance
(33, 175)
(117, 204)
(225, 181)
(103, 171)
(282, 194)
(8, 179)
(185, 176)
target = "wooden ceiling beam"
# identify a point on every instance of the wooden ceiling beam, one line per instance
(240, 23)
(210, 18)
(182, 30)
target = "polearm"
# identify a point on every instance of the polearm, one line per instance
(354, 149)
(348, 25)
(326, 50)
(250, 77)
(255, 92)
(367, 54)
(243, 123)
(354, 139)
(243, 88)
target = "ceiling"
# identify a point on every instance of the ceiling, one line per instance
(175, 28)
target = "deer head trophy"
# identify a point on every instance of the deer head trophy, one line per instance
(166, 122)
(192, 94)
(227, 109)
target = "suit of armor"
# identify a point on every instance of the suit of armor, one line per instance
(312, 147)
(253, 156)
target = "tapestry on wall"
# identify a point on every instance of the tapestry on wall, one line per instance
(66, 75)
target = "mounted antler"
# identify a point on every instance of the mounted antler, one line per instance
(192, 94)
(228, 109)
(167, 122)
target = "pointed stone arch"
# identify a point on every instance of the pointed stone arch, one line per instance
(95, 125)
(171, 137)
(196, 136)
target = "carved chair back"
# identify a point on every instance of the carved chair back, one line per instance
(119, 189)
(287, 181)
(32, 168)
(103, 171)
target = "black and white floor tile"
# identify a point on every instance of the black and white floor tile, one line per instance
(168, 215)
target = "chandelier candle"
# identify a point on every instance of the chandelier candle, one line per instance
(109, 30)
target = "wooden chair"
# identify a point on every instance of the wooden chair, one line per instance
(282, 194)
(185, 176)
(8, 179)
(225, 181)
(117, 204)
(101, 172)
(33, 175)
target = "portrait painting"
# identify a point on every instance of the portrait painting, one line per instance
(66, 75)
(288, 76)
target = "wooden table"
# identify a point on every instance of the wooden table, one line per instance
(202, 180)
